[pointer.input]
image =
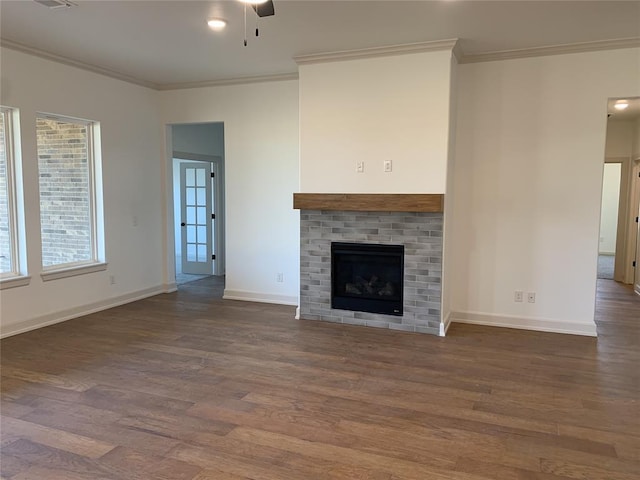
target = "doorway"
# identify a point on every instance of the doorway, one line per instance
(198, 201)
(619, 245)
(609, 212)
(620, 192)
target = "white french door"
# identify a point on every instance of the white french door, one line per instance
(196, 218)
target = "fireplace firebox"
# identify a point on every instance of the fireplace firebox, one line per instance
(367, 277)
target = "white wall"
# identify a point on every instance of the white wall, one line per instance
(528, 177)
(131, 160)
(261, 162)
(375, 109)
(619, 141)
(609, 208)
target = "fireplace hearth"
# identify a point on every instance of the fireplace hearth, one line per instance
(367, 277)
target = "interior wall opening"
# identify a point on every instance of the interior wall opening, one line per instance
(198, 201)
(609, 210)
(619, 242)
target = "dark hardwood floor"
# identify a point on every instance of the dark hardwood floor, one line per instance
(186, 386)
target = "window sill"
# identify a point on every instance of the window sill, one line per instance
(17, 281)
(72, 271)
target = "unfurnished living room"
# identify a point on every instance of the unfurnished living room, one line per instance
(295, 240)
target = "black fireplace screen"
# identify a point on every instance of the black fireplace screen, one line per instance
(367, 277)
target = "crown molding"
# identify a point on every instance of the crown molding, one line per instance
(406, 48)
(230, 81)
(75, 63)
(144, 83)
(450, 44)
(552, 50)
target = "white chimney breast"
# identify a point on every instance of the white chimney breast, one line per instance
(374, 109)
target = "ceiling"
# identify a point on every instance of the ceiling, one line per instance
(167, 43)
(631, 113)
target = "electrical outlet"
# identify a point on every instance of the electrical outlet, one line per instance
(531, 297)
(360, 167)
(388, 166)
(280, 277)
(112, 280)
(518, 296)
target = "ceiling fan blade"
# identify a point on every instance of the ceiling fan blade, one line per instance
(264, 9)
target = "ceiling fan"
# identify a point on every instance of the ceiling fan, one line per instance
(263, 8)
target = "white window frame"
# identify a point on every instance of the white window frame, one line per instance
(97, 262)
(15, 202)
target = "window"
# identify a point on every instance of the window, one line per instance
(12, 249)
(70, 197)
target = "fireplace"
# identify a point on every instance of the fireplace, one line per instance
(367, 277)
(414, 222)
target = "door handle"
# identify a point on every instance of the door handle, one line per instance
(183, 224)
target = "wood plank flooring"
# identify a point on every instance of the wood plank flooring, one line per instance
(186, 386)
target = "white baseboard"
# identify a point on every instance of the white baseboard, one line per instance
(297, 317)
(260, 297)
(525, 323)
(444, 325)
(170, 287)
(64, 315)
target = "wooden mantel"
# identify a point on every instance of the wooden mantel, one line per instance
(370, 202)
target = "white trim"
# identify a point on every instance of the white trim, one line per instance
(17, 281)
(334, 56)
(444, 325)
(72, 271)
(406, 48)
(76, 63)
(170, 287)
(217, 166)
(76, 312)
(280, 77)
(94, 197)
(297, 316)
(15, 198)
(260, 297)
(552, 50)
(525, 323)
(107, 72)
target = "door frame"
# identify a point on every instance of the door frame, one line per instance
(205, 265)
(627, 232)
(635, 204)
(217, 167)
(168, 217)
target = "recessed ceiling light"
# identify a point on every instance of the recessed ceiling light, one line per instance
(216, 23)
(253, 2)
(621, 105)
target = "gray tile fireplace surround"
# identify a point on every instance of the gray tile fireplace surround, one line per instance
(421, 235)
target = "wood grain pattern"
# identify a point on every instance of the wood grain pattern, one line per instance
(186, 386)
(369, 202)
